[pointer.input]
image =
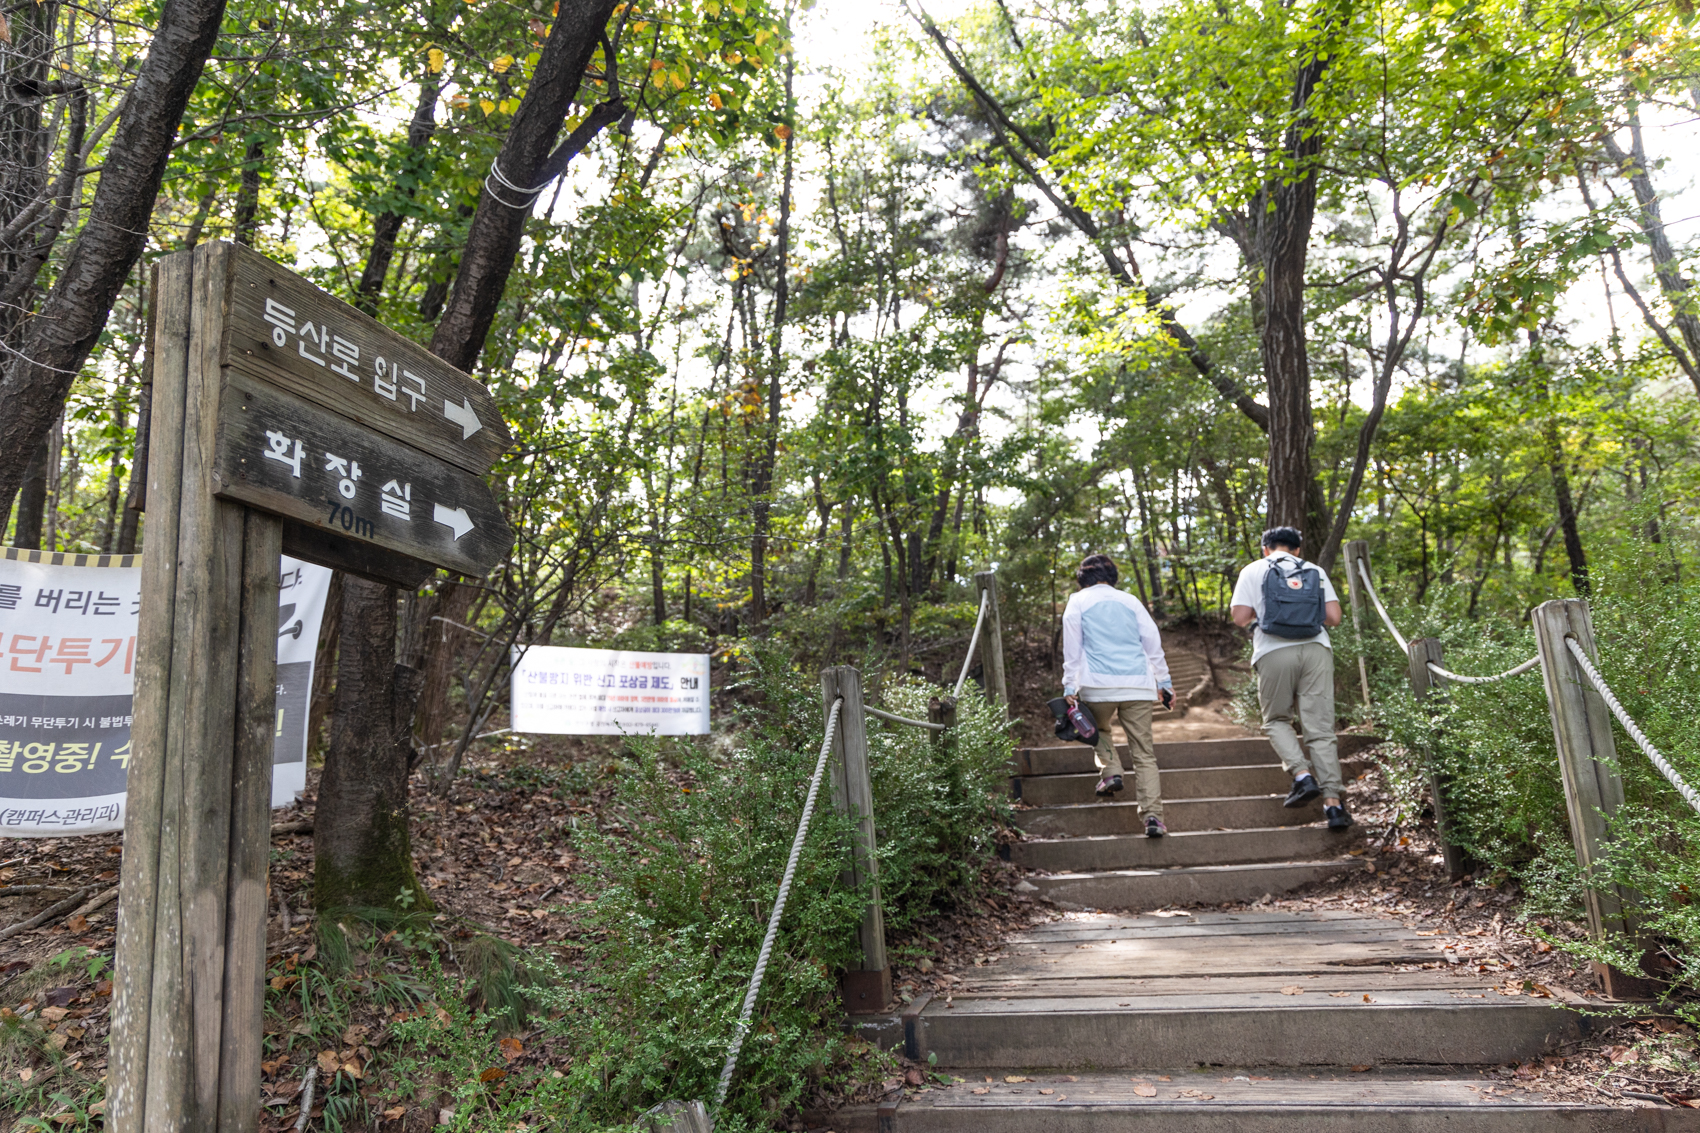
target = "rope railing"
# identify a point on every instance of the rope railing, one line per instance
(968, 661)
(749, 1008)
(896, 719)
(1688, 793)
(1437, 670)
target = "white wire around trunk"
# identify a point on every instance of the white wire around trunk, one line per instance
(748, 1011)
(1635, 733)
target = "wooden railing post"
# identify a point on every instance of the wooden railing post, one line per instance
(991, 639)
(942, 710)
(867, 989)
(1424, 682)
(1357, 557)
(1587, 759)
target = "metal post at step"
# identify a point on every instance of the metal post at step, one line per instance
(867, 988)
(1593, 783)
(1423, 682)
(991, 640)
(1357, 558)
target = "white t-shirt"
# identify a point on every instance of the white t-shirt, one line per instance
(1248, 591)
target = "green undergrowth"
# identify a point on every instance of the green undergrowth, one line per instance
(1493, 747)
(432, 1021)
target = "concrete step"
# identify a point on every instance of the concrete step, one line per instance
(1076, 759)
(1255, 1099)
(1179, 783)
(1192, 848)
(1143, 1032)
(1190, 885)
(1237, 813)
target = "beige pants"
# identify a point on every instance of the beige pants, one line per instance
(1299, 679)
(1136, 722)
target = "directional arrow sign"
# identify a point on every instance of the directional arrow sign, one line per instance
(464, 416)
(288, 333)
(455, 520)
(345, 484)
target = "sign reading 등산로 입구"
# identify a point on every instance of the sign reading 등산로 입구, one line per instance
(371, 446)
(599, 692)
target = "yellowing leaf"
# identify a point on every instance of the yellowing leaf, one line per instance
(715, 101)
(508, 105)
(782, 131)
(434, 59)
(486, 106)
(502, 63)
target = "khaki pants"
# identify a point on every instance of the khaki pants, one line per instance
(1301, 678)
(1136, 722)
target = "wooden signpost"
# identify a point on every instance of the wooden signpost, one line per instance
(283, 421)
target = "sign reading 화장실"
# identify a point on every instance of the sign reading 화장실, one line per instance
(67, 683)
(598, 692)
(370, 447)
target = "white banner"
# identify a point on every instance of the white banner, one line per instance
(602, 692)
(67, 683)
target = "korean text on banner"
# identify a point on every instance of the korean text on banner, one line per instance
(599, 692)
(67, 683)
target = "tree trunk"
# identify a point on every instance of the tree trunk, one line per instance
(321, 701)
(32, 501)
(1284, 240)
(362, 853)
(388, 226)
(445, 637)
(248, 194)
(761, 503)
(72, 317)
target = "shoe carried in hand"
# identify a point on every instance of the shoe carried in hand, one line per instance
(1108, 786)
(1338, 819)
(1305, 789)
(1154, 827)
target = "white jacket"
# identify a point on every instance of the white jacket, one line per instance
(1111, 646)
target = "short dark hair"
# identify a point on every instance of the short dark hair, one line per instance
(1094, 569)
(1287, 537)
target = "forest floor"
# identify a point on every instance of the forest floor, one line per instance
(496, 860)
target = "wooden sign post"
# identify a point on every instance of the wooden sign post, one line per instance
(283, 421)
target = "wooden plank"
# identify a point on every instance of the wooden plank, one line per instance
(991, 640)
(853, 795)
(250, 829)
(206, 638)
(139, 893)
(403, 501)
(364, 371)
(317, 545)
(1587, 753)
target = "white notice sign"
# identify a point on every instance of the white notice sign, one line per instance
(608, 692)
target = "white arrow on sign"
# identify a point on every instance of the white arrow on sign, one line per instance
(463, 416)
(456, 519)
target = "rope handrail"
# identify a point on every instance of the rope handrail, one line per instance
(1688, 793)
(1405, 646)
(896, 719)
(968, 661)
(749, 1008)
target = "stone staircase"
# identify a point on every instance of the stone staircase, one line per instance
(1246, 1021)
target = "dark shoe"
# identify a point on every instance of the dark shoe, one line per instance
(1108, 786)
(1154, 827)
(1304, 790)
(1338, 819)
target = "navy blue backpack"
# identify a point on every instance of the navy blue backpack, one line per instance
(1294, 602)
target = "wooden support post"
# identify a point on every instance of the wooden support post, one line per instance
(1357, 558)
(1423, 682)
(942, 710)
(867, 988)
(1593, 784)
(991, 639)
(190, 958)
